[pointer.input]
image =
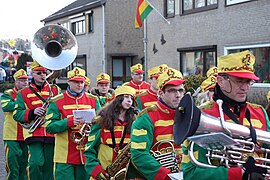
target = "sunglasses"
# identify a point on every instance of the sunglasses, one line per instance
(41, 72)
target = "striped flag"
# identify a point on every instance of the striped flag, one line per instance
(142, 11)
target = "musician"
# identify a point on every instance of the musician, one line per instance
(103, 90)
(155, 124)
(207, 88)
(87, 86)
(16, 151)
(111, 132)
(137, 79)
(213, 71)
(149, 97)
(28, 108)
(68, 155)
(235, 77)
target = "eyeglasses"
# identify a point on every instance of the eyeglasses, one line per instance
(40, 72)
(174, 91)
(240, 82)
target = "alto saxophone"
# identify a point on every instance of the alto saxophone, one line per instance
(117, 170)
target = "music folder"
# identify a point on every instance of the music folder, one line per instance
(87, 115)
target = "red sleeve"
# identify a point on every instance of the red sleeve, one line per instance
(26, 115)
(70, 122)
(235, 173)
(162, 173)
(96, 171)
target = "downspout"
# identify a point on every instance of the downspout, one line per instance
(104, 59)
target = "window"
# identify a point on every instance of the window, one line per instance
(90, 22)
(169, 8)
(197, 60)
(121, 70)
(192, 6)
(262, 63)
(231, 2)
(78, 27)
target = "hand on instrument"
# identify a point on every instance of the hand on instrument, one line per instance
(40, 111)
(77, 120)
(252, 171)
(103, 175)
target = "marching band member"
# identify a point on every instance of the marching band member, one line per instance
(87, 86)
(137, 79)
(207, 88)
(213, 71)
(16, 151)
(103, 90)
(149, 97)
(28, 108)
(155, 124)
(68, 155)
(235, 77)
(110, 133)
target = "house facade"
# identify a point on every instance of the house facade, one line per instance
(200, 31)
(107, 39)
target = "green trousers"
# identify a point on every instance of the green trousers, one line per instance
(70, 172)
(16, 154)
(40, 164)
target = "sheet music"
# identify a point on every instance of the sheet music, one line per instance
(87, 115)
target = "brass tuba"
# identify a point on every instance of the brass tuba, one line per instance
(54, 47)
(189, 121)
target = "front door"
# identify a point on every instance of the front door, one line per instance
(121, 70)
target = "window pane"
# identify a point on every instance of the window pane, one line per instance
(199, 3)
(187, 4)
(118, 67)
(170, 6)
(210, 2)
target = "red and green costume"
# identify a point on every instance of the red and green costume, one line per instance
(100, 151)
(40, 143)
(150, 127)
(259, 120)
(68, 156)
(146, 99)
(104, 99)
(139, 87)
(16, 151)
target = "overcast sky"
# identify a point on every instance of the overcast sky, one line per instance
(21, 18)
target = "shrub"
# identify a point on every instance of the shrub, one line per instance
(193, 82)
(6, 85)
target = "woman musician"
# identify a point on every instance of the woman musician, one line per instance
(110, 134)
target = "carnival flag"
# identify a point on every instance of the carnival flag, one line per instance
(142, 11)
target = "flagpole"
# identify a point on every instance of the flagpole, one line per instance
(145, 47)
(158, 12)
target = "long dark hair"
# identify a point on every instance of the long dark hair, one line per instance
(110, 113)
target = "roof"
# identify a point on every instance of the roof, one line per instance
(74, 8)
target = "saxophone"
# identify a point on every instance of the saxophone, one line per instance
(117, 170)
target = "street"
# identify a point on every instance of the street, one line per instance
(2, 155)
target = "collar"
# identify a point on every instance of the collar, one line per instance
(137, 84)
(164, 108)
(150, 91)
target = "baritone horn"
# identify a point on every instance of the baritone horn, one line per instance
(54, 47)
(189, 121)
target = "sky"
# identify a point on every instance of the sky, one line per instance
(21, 18)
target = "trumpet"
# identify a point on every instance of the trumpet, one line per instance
(79, 136)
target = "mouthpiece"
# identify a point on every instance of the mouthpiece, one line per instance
(135, 110)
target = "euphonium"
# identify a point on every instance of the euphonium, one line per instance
(54, 47)
(118, 169)
(191, 121)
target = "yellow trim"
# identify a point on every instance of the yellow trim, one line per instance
(141, 145)
(255, 123)
(16, 105)
(164, 137)
(2, 101)
(4, 104)
(164, 123)
(75, 106)
(117, 140)
(48, 116)
(186, 143)
(91, 138)
(37, 102)
(139, 132)
(69, 115)
(150, 103)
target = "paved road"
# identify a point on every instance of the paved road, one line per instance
(2, 155)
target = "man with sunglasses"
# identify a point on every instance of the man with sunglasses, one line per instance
(137, 79)
(234, 79)
(16, 151)
(155, 124)
(28, 108)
